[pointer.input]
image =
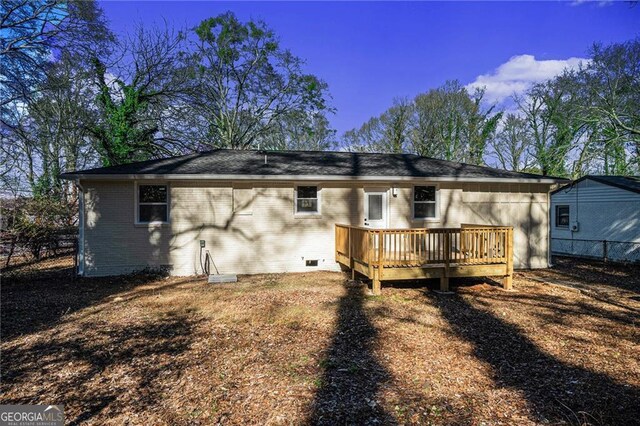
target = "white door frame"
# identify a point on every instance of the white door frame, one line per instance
(384, 222)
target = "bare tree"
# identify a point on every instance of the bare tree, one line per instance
(138, 98)
(446, 122)
(541, 109)
(387, 133)
(610, 105)
(35, 31)
(47, 136)
(367, 138)
(301, 131)
(395, 126)
(512, 143)
(246, 84)
(41, 41)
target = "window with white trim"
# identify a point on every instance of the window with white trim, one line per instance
(153, 204)
(307, 200)
(425, 202)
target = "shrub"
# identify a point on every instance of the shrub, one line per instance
(37, 224)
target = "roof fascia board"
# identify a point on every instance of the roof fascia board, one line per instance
(595, 179)
(614, 184)
(568, 186)
(310, 178)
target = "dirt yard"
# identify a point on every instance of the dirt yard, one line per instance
(314, 349)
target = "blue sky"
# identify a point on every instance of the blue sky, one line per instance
(370, 53)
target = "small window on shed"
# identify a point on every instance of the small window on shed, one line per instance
(562, 216)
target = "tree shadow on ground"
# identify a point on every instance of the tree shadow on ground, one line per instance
(558, 310)
(37, 302)
(89, 371)
(356, 388)
(352, 374)
(556, 391)
(622, 276)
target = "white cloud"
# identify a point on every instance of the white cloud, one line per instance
(518, 74)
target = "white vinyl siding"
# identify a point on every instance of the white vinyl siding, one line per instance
(272, 239)
(243, 197)
(603, 212)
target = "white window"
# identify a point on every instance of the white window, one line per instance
(153, 204)
(307, 200)
(425, 205)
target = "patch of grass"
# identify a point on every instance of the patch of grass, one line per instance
(214, 408)
(353, 368)
(326, 363)
(401, 299)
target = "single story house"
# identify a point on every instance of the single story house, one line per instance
(276, 211)
(597, 216)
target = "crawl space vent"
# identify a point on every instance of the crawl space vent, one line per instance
(313, 262)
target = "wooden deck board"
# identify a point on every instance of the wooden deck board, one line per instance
(396, 254)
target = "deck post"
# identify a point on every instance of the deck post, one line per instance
(351, 265)
(380, 253)
(507, 281)
(444, 283)
(377, 286)
(370, 248)
(444, 279)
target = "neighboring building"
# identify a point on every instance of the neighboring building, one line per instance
(259, 211)
(597, 216)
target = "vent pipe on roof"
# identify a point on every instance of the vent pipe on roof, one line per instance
(265, 158)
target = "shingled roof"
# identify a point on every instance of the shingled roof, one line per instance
(630, 183)
(248, 164)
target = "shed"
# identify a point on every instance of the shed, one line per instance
(598, 217)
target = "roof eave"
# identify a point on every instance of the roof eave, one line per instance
(217, 177)
(599, 180)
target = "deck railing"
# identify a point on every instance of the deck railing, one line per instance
(381, 248)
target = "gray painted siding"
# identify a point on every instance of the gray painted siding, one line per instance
(603, 212)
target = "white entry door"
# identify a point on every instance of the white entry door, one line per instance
(375, 209)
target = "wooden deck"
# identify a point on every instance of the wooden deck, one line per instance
(419, 253)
